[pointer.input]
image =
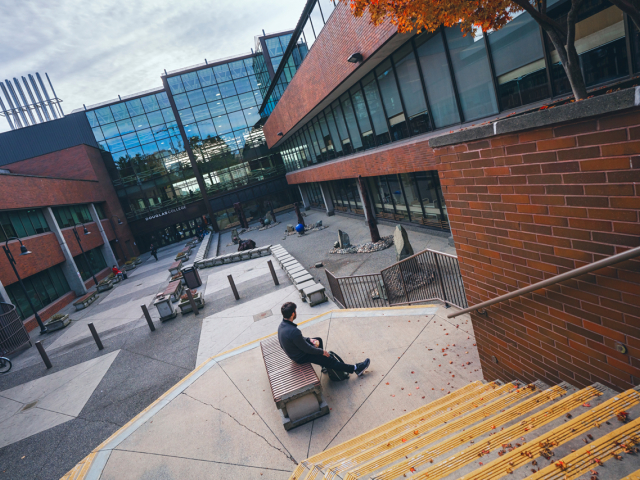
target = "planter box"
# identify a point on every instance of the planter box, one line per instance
(53, 325)
(184, 258)
(185, 306)
(138, 261)
(174, 290)
(103, 287)
(165, 308)
(84, 302)
(131, 266)
(175, 267)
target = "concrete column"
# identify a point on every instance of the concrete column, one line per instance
(328, 203)
(305, 196)
(4, 296)
(69, 268)
(364, 202)
(107, 253)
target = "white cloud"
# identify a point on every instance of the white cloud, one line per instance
(94, 51)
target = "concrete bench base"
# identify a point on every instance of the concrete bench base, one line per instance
(302, 410)
(315, 295)
(85, 301)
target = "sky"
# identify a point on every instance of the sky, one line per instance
(96, 50)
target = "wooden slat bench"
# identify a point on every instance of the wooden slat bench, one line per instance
(174, 289)
(296, 388)
(86, 300)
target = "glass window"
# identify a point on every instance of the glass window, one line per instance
(201, 112)
(327, 8)
(93, 120)
(350, 119)
(222, 124)
(163, 100)
(104, 115)
(196, 97)
(473, 76)
(140, 122)
(167, 113)
(115, 144)
(375, 109)
(155, 118)
(237, 120)
(222, 73)
(130, 140)
(119, 111)
(227, 89)
(331, 124)
(150, 103)
(110, 130)
(238, 69)
(232, 104)
(516, 50)
(316, 19)
(309, 35)
(391, 98)
(212, 93)
(216, 108)
(135, 107)
(242, 85)
(186, 116)
(435, 69)
(411, 89)
(97, 133)
(252, 116)
(182, 101)
(175, 85)
(248, 64)
(247, 100)
(146, 136)
(206, 77)
(207, 129)
(190, 81)
(273, 46)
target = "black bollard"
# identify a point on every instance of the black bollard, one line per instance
(194, 307)
(95, 336)
(273, 273)
(233, 287)
(148, 317)
(43, 354)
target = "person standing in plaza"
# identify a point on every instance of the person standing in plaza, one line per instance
(154, 251)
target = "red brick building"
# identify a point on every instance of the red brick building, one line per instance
(52, 177)
(525, 197)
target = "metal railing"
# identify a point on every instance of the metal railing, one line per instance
(605, 262)
(358, 291)
(425, 276)
(13, 335)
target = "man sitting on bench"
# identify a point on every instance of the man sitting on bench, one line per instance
(309, 350)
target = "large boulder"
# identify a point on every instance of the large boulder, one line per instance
(343, 239)
(401, 241)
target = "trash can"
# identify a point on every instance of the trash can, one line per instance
(191, 277)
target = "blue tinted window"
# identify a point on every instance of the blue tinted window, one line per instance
(119, 111)
(150, 103)
(237, 120)
(247, 100)
(125, 126)
(150, 148)
(168, 115)
(243, 85)
(206, 77)
(186, 116)
(207, 129)
(115, 144)
(191, 130)
(227, 89)
(140, 122)
(160, 132)
(104, 115)
(135, 107)
(196, 97)
(248, 63)
(93, 120)
(222, 124)
(273, 46)
(216, 108)
(110, 131)
(232, 104)
(163, 100)
(237, 69)
(155, 118)
(130, 140)
(175, 85)
(146, 136)
(190, 81)
(181, 101)
(201, 112)
(97, 133)
(222, 73)
(212, 93)
(252, 115)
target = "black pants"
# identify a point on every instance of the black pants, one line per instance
(326, 361)
(155, 255)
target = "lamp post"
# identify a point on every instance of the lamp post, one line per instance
(12, 262)
(120, 222)
(86, 232)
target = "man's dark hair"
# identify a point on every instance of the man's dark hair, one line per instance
(288, 309)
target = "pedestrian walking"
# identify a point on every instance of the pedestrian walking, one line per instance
(154, 251)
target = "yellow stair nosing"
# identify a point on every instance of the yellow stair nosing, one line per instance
(632, 476)
(603, 448)
(508, 415)
(423, 410)
(363, 463)
(497, 468)
(470, 454)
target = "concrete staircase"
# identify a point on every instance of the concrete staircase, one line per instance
(496, 430)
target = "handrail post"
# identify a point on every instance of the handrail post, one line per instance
(444, 293)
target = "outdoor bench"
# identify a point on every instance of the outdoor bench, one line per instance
(86, 300)
(296, 388)
(174, 268)
(174, 289)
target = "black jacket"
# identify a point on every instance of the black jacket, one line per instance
(293, 343)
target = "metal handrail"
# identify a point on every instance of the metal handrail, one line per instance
(605, 262)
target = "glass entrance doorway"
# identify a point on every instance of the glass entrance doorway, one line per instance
(171, 234)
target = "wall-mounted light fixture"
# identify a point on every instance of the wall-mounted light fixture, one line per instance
(280, 134)
(355, 58)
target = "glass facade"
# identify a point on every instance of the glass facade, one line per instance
(96, 262)
(43, 288)
(72, 215)
(440, 79)
(22, 223)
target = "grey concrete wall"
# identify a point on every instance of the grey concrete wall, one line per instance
(69, 268)
(4, 296)
(328, 203)
(107, 253)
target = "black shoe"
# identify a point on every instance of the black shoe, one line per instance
(361, 367)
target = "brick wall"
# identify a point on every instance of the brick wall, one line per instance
(68, 163)
(326, 67)
(91, 241)
(528, 206)
(45, 253)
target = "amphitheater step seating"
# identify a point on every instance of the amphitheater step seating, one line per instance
(497, 430)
